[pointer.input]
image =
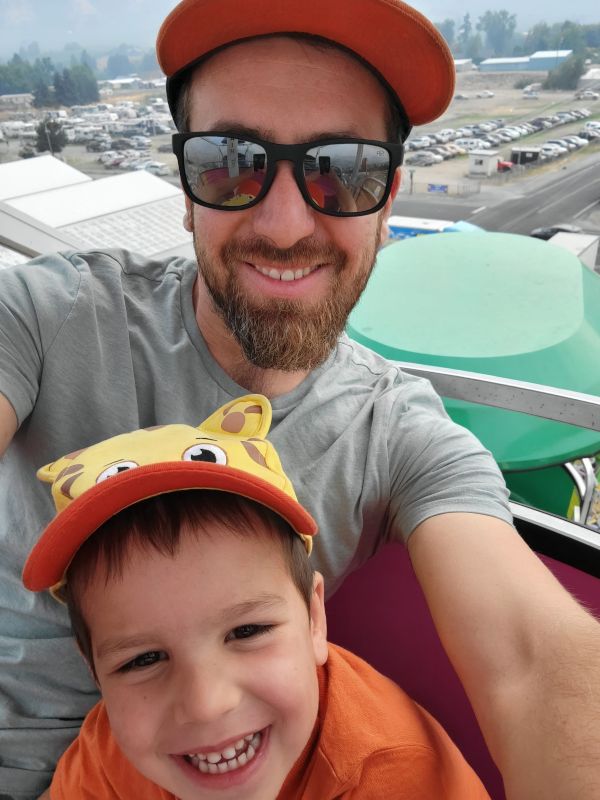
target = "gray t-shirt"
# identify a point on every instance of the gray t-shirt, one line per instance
(96, 344)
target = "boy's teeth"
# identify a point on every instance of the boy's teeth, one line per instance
(230, 758)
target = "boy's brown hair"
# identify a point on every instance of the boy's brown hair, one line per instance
(157, 524)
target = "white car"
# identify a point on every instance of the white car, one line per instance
(421, 141)
(484, 93)
(553, 149)
(577, 140)
(562, 143)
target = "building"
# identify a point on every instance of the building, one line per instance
(483, 163)
(464, 64)
(540, 61)
(58, 208)
(16, 101)
(547, 60)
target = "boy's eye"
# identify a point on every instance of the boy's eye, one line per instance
(247, 632)
(144, 660)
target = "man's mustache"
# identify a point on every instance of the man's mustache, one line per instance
(306, 252)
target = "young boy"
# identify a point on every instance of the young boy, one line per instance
(182, 554)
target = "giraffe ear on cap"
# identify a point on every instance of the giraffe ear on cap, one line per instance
(246, 417)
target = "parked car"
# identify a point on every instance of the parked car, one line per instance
(504, 166)
(156, 168)
(586, 94)
(421, 159)
(577, 141)
(421, 141)
(461, 96)
(562, 143)
(548, 232)
(484, 93)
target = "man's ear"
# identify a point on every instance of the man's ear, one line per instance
(387, 209)
(188, 221)
(318, 621)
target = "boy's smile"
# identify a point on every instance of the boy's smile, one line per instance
(207, 664)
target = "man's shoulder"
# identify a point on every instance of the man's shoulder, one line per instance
(98, 263)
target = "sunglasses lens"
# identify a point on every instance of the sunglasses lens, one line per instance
(347, 177)
(223, 171)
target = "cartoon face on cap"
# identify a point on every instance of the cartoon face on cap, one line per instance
(228, 452)
(234, 436)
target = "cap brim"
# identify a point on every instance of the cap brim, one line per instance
(402, 45)
(53, 553)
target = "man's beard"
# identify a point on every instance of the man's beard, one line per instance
(280, 333)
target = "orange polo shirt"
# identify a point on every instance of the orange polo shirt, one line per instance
(371, 741)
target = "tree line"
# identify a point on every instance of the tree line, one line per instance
(495, 34)
(50, 86)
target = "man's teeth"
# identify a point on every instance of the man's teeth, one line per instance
(286, 275)
(229, 758)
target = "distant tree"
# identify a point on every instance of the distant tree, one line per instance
(499, 28)
(569, 36)
(85, 84)
(464, 34)
(538, 38)
(567, 75)
(474, 47)
(65, 89)
(50, 136)
(16, 76)
(118, 65)
(446, 28)
(87, 61)
(43, 96)
(149, 64)
(591, 35)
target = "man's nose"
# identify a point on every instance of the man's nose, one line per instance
(283, 216)
(204, 693)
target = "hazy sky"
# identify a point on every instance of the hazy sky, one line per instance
(107, 23)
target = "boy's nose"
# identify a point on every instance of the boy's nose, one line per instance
(204, 693)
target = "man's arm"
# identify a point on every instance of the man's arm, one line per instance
(8, 423)
(526, 652)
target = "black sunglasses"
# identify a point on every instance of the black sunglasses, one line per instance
(340, 177)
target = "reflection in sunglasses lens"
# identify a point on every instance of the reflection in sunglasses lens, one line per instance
(223, 171)
(350, 176)
(346, 177)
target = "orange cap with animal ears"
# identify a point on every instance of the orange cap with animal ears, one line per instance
(227, 452)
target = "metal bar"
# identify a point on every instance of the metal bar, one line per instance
(556, 525)
(548, 402)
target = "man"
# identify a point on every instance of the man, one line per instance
(102, 343)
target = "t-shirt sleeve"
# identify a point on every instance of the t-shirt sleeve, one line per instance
(437, 466)
(93, 767)
(35, 301)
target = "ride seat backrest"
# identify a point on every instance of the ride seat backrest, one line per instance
(380, 614)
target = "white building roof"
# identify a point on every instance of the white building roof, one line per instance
(70, 204)
(513, 60)
(30, 175)
(551, 54)
(151, 229)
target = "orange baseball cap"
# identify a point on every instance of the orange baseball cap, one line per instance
(395, 40)
(228, 452)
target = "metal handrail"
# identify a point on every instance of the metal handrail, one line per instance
(570, 541)
(536, 399)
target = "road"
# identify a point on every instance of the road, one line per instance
(520, 205)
